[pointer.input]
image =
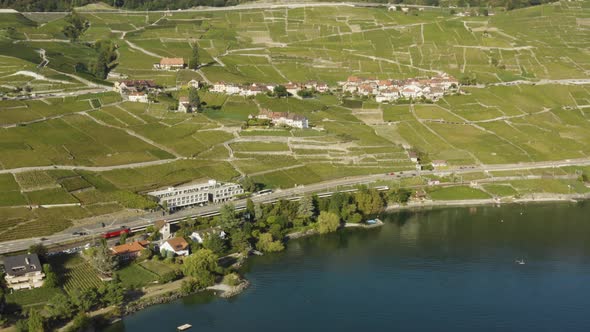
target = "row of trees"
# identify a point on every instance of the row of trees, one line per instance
(264, 226)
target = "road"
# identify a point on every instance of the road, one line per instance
(332, 185)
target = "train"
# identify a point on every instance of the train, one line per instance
(116, 232)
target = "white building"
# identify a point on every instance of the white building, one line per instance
(284, 119)
(199, 237)
(23, 272)
(197, 194)
(177, 245)
(138, 97)
(184, 105)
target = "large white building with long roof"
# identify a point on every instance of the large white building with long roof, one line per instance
(197, 194)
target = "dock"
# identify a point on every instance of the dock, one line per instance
(184, 327)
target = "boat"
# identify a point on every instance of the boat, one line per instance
(184, 327)
(520, 262)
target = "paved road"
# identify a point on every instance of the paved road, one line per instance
(147, 219)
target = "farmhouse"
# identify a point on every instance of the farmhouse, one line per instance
(283, 119)
(177, 245)
(184, 105)
(197, 194)
(170, 64)
(23, 271)
(129, 251)
(413, 156)
(130, 86)
(139, 97)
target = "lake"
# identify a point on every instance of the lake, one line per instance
(451, 269)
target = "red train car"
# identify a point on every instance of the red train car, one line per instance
(116, 233)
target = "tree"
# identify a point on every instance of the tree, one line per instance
(60, 307)
(50, 277)
(103, 261)
(112, 293)
(193, 62)
(35, 322)
(369, 201)
(105, 60)
(38, 249)
(280, 91)
(213, 242)
(239, 240)
(258, 212)
(328, 222)
(123, 238)
(305, 93)
(227, 216)
(194, 99)
(248, 184)
(84, 299)
(266, 243)
(202, 266)
(250, 210)
(76, 26)
(306, 208)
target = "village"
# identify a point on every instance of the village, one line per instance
(383, 90)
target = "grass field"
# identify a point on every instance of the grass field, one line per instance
(457, 193)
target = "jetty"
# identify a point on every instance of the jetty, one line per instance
(367, 224)
(184, 327)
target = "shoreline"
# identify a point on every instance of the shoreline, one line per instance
(172, 293)
(535, 198)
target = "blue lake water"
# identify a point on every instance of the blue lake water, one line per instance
(439, 270)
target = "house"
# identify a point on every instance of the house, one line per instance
(129, 86)
(292, 88)
(177, 245)
(23, 272)
(392, 8)
(193, 84)
(439, 163)
(284, 119)
(170, 64)
(253, 90)
(197, 194)
(218, 87)
(184, 105)
(138, 97)
(199, 237)
(163, 227)
(130, 250)
(413, 156)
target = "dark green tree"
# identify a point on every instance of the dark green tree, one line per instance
(193, 62)
(35, 322)
(248, 184)
(51, 279)
(215, 243)
(280, 91)
(227, 217)
(38, 249)
(194, 99)
(76, 26)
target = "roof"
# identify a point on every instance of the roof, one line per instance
(183, 99)
(160, 223)
(172, 62)
(177, 243)
(22, 264)
(129, 248)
